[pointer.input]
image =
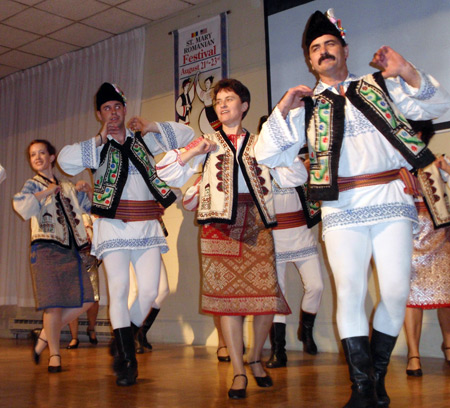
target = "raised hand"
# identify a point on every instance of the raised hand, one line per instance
(82, 185)
(139, 124)
(53, 188)
(392, 64)
(201, 145)
(197, 147)
(292, 99)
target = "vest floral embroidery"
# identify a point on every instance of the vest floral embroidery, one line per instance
(325, 120)
(112, 174)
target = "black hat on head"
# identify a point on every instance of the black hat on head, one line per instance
(109, 92)
(319, 24)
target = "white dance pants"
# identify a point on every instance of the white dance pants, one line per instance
(311, 276)
(147, 267)
(163, 289)
(349, 252)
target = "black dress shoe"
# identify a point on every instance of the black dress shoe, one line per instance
(223, 359)
(240, 393)
(92, 336)
(414, 373)
(55, 369)
(262, 381)
(73, 346)
(35, 335)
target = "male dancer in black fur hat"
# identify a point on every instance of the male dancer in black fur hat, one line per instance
(360, 148)
(129, 200)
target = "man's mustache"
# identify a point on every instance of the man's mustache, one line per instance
(326, 56)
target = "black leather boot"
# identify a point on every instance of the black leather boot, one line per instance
(141, 336)
(381, 346)
(137, 338)
(125, 364)
(112, 346)
(278, 357)
(357, 354)
(305, 332)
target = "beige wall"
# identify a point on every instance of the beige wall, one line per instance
(179, 319)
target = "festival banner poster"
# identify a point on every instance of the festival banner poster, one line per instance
(200, 52)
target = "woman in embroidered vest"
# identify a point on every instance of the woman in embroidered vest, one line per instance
(430, 280)
(235, 212)
(61, 283)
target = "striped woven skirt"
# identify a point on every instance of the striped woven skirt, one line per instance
(238, 265)
(60, 277)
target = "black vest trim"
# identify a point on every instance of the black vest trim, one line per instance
(126, 153)
(420, 160)
(313, 216)
(329, 191)
(248, 182)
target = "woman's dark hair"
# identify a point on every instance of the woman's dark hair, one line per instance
(50, 148)
(235, 86)
(425, 127)
(262, 120)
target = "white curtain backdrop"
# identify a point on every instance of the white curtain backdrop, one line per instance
(54, 101)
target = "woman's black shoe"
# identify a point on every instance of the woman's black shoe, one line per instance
(223, 359)
(55, 369)
(262, 381)
(240, 393)
(35, 335)
(92, 336)
(414, 373)
(74, 345)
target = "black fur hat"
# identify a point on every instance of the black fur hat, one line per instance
(319, 24)
(109, 92)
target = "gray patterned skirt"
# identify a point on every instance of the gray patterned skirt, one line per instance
(60, 277)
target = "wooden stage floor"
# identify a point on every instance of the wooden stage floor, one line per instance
(190, 376)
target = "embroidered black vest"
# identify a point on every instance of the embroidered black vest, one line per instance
(311, 209)
(112, 174)
(324, 126)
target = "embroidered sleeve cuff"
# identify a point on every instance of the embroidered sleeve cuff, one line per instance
(173, 135)
(88, 153)
(277, 127)
(191, 197)
(428, 87)
(169, 159)
(173, 172)
(280, 139)
(179, 160)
